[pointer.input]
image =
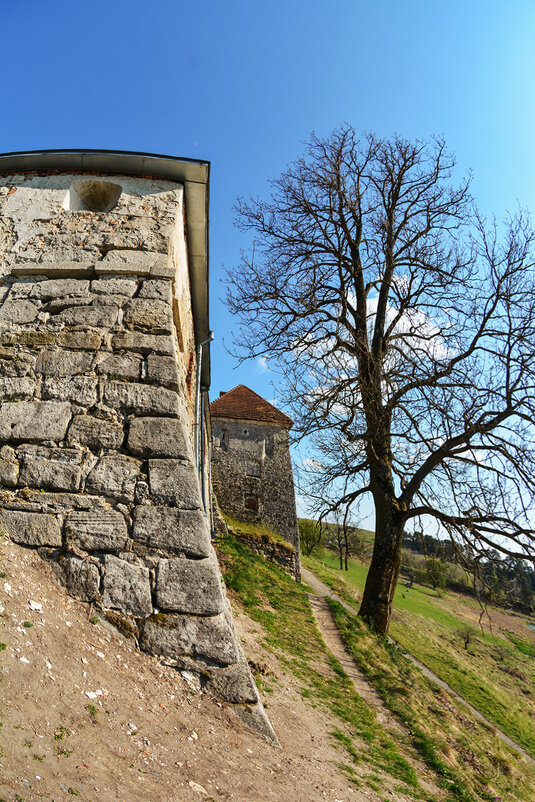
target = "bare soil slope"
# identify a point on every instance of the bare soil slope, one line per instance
(86, 715)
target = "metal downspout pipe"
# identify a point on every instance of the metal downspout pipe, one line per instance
(210, 490)
(199, 417)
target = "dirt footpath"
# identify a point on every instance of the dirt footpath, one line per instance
(323, 591)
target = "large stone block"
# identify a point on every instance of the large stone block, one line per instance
(18, 311)
(157, 289)
(82, 340)
(114, 475)
(31, 528)
(32, 421)
(164, 270)
(95, 433)
(109, 300)
(60, 364)
(254, 717)
(174, 482)
(126, 587)
(133, 262)
(97, 530)
(59, 304)
(162, 370)
(81, 578)
(150, 315)
(208, 639)
(158, 437)
(172, 530)
(57, 288)
(20, 288)
(31, 339)
(143, 343)
(9, 473)
(114, 286)
(119, 367)
(12, 387)
(141, 398)
(59, 502)
(233, 684)
(189, 586)
(68, 264)
(93, 316)
(52, 469)
(14, 362)
(80, 390)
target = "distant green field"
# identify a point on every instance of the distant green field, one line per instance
(496, 673)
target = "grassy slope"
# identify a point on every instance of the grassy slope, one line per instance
(496, 674)
(466, 759)
(281, 606)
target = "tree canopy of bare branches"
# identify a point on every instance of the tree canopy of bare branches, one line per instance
(404, 327)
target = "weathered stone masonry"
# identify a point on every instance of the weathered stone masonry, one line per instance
(97, 389)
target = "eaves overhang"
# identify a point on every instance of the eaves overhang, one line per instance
(194, 174)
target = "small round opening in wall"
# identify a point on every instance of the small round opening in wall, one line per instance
(92, 196)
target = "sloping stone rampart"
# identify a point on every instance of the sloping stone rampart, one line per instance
(96, 420)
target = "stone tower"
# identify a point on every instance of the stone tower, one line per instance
(104, 372)
(251, 465)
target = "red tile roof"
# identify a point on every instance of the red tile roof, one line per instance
(244, 404)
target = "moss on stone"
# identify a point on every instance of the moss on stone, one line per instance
(126, 626)
(159, 618)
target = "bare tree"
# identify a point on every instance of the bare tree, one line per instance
(340, 537)
(404, 328)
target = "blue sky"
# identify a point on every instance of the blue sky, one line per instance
(242, 83)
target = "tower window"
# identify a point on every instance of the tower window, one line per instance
(92, 196)
(251, 503)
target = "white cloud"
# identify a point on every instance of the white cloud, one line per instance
(312, 464)
(262, 364)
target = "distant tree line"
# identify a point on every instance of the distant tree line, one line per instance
(501, 580)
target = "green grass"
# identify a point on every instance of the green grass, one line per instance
(522, 645)
(385, 667)
(435, 724)
(429, 626)
(281, 606)
(257, 531)
(476, 675)
(467, 760)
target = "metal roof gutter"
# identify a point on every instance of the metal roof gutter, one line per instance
(192, 173)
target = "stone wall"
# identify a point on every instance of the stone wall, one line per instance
(242, 448)
(97, 388)
(276, 552)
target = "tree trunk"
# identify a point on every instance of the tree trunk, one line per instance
(376, 606)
